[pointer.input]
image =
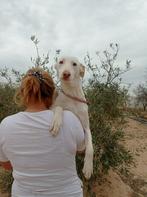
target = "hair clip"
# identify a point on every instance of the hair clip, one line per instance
(37, 74)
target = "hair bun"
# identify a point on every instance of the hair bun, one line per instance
(36, 86)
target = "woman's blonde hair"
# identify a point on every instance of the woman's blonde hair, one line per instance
(37, 86)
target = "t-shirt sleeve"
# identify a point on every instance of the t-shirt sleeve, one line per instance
(80, 137)
(3, 157)
(78, 132)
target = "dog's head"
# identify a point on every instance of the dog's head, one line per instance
(69, 69)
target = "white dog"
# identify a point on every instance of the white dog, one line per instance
(71, 97)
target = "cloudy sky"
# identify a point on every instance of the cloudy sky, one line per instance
(75, 27)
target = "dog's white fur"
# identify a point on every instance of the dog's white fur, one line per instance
(73, 87)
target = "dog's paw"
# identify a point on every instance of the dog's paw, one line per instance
(56, 127)
(88, 169)
(54, 130)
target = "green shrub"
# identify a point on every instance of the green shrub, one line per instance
(6, 180)
(7, 104)
(104, 113)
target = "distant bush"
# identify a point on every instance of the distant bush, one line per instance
(7, 104)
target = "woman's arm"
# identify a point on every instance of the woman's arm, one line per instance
(6, 165)
(4, 161)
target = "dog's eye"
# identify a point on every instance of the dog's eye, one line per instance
(74, 64)
(61, 62)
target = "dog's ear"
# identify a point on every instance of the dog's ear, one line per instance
(82, 70)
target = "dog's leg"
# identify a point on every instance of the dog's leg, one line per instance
(57, 120)
(88, 160)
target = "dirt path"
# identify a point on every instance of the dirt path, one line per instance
(136, 141)
(136, 184)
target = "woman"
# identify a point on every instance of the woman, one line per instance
(43, 165)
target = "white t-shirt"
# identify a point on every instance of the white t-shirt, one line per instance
(43, 165)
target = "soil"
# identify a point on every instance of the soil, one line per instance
(135, 185)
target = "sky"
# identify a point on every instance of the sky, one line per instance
(75, 27)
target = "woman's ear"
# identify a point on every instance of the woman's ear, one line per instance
(82, 70)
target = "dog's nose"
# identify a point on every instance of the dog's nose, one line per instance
(66, 74)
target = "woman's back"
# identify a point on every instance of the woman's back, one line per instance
(43, 165)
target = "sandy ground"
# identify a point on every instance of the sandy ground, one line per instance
(136, 184)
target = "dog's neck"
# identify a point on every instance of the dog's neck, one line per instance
(73, 88)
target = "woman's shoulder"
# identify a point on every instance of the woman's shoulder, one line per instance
(23, 118)
(9, 119)
(7, 124)
(69, 118)
(73, 130)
